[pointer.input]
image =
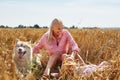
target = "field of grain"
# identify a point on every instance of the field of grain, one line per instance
(96, 45)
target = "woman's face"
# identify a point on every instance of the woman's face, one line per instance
(56, 29)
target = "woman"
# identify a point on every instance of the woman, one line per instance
(57, 41)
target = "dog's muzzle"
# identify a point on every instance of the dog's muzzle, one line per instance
(21, 54)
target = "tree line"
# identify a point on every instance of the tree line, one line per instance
(34, 26)
(23, 26)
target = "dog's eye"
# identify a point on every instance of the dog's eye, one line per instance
(24, 46)
(21, 45)
(17, 45)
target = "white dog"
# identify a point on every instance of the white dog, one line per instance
(23, 57)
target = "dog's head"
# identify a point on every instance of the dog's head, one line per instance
(22, 48)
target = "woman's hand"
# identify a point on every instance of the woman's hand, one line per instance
(74, 53)
(72, 56)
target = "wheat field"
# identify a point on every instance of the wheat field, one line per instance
(96, 45)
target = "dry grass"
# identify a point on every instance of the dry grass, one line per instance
(96, 45)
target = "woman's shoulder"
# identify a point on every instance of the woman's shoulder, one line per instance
(45, 34)
(65, 31)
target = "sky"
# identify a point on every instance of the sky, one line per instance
(81, 13)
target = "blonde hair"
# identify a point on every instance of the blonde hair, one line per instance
(55, 21)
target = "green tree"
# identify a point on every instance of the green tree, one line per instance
(36, 26)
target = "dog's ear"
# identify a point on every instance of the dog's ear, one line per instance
(34, 44)
(30, 42)
(17, 40)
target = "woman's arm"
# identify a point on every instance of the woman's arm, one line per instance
(72, 44)
(75, 55)
(75, 50)
(40, 44)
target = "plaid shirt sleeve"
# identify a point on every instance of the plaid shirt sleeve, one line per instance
(40, 44)
(72, 44)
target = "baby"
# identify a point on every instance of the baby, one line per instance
(87, 70)
(83, 70)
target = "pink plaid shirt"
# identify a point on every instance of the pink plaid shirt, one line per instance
(64, 40)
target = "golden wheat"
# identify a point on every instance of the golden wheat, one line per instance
(95, 45)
